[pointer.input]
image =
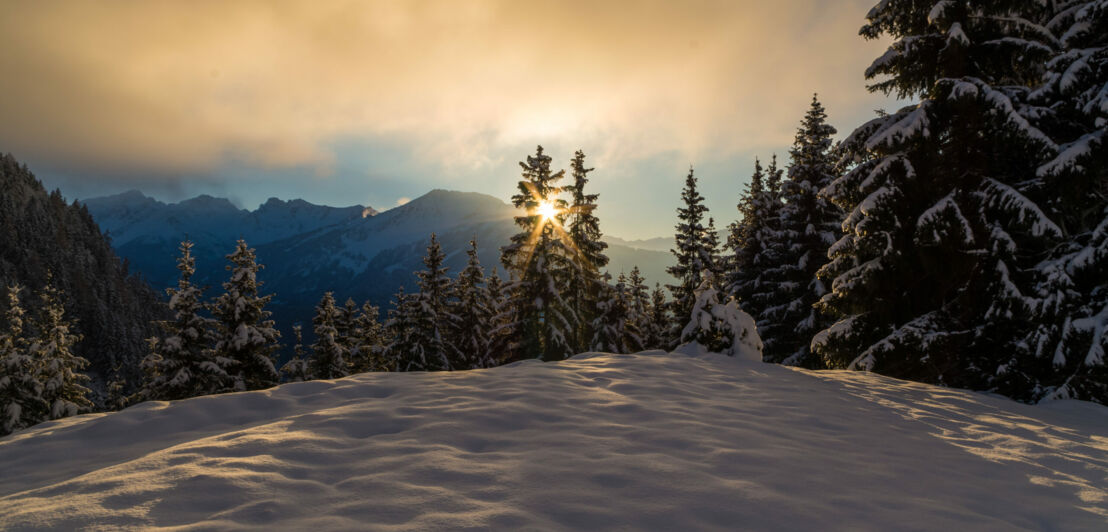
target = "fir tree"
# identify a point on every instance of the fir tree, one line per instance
(182, 363)
(403, 353)
(328, 352)
(368, 341)
(588, 259)
(695, 251)
(430, 314)
(500, 332)
(926, 282)
(719, 325)
(470, 316)
(59, 369)
(658, 323)
(245, 336)
(345, 323)
(614, 329)
(808, 225)
(539, 261)
(21, 400)
(297, 369)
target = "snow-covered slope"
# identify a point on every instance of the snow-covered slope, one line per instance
(650, 441)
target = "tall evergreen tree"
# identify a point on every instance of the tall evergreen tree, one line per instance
(21, 401)
(540, 261)
(469, 327)
(297, 369)
(244, 333)
(695, 252)
(182, 363)
(500, 342)
(431, 314)
(926, 282)
(59, 369)
(808, 225)
(328, 352)
(403, 353)
(658, 323)
(585, 282)
(369, 340)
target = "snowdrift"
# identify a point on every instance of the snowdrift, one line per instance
(647, 441)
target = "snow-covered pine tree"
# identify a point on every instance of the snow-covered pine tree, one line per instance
(296, 369)
(1062, 354)
(658, 323)
(540, 261)
(182, 363)
(244, 333)
(719, 325)
(21, 401)
(694, 251)
(345, 323)
(59, 369)
(742, 246)
(614, 331)
(500, 332)
(402, 353)
(328, 352)
(585, 282)
(470, 320)
(925, 282)
(430, 314)
(367, 353)
(808, 225)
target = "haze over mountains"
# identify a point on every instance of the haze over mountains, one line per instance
(309, 249)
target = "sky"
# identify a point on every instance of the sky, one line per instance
(375, 103)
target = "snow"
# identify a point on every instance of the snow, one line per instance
(652, 441)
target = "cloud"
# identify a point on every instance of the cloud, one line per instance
(402, 201)
(161, 90)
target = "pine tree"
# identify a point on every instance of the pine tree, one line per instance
(742, 241)
(297, 369)
(59, 369)
(430, 314)
(540, 261)
(718, 324)
(345, 323)
(403, 353)
(588, 258)
(926, 282)
(328, 352)
(367, 353)
(614, 329)
(470, 318)
(808, 225)
(1062, 354)
(695, 251)
(182, 363)
(244, 333)
(21, 400)
(500, 333)
(658, 323)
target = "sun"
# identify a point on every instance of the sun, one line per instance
(546, 210)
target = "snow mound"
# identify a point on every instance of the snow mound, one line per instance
(663, 441)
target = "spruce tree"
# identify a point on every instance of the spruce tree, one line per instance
(21, 400)
(658, 323)
(718, 324)
(927, 283)
(539, 259)
(614, 328)
(345, 324)
(430, 314)
(182, 363)
(585, 282)
(500, 342)
(244, 335)
(403, 353)
(695, 252)
(808, 225)
(742, 242)
(59, 369)
(297, 369)
(328, 352)
(470, 316)
(368, 341)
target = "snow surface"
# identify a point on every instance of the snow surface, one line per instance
(648, 441)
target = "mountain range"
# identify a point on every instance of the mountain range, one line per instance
(308, 249)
